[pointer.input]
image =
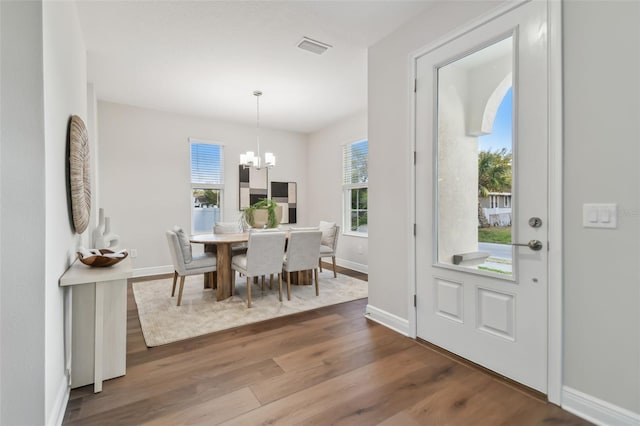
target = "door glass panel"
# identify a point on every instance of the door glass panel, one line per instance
(475, 160)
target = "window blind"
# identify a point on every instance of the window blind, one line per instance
(207, 163)
(355, 161)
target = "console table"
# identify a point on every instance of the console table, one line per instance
(98, 322)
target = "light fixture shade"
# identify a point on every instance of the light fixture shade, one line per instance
(250, 159)
(269, 159)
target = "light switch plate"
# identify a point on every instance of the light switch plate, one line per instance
(600, 215)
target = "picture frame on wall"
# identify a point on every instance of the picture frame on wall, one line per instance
(253, 185)
(286, 195)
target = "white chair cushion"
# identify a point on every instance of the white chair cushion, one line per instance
(199, 261)
(185, 244)
(328, 233)
(239, 263)
(325, 250)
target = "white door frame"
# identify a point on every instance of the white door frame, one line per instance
(555, 259)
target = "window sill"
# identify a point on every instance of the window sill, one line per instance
(355, 234)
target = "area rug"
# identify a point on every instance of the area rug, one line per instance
(163, 322)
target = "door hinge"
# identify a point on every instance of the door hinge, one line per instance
(415, 155)
(415, 301)
(415, 85)
(415, 229)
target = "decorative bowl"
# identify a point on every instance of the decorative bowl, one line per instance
(101, 261)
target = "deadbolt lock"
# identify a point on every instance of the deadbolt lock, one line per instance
(535, 222)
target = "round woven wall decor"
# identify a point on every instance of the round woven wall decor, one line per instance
(79, 178)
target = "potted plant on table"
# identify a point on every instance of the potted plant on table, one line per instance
(265, 213)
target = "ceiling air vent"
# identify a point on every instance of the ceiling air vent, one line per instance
(314, 46)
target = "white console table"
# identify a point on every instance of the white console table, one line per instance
(98, 322)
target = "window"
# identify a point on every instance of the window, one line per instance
(207, 184)
(355, 186)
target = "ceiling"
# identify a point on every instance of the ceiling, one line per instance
(206, 58)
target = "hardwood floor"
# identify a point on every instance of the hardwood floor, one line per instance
(328, 366)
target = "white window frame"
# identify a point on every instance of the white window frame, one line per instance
(346, 191)
(214, 186)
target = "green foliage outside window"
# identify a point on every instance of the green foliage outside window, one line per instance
(494, 175)
(358, 208)
(494, 171)
(355, 179)
(206, 197)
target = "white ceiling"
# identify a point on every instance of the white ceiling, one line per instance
(207, 57)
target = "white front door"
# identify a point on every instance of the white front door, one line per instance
(491, 310)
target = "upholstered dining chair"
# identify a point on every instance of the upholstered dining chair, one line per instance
(303, 250)
(185, 262)
(263, 257)
(329, 243)
(231, 228)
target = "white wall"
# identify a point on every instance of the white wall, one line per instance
(325, 182)
(602, 326)
(43, 82)
(602, 139)
(390, 152)
(92, 129)
(145, 177)
(65, 94)
(22, 215)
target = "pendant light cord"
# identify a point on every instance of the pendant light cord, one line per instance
(257, 94)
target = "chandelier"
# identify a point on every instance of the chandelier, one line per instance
(250, 159)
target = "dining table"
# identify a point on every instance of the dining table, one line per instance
(221, 244)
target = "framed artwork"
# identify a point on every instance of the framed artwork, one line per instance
(286, 195)
(253, 185)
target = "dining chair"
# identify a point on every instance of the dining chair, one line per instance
(303, 250)
(231, 228)
(185, 262)
(329, 243)
(263, 257)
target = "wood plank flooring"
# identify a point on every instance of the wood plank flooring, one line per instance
(328, 366)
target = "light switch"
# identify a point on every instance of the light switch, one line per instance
(599, 215)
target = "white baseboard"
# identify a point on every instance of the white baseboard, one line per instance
(155, 270)
(351, 265)
(596, 410)
(391, 321)
(60, 405)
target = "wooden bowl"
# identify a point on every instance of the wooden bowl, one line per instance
(101, 261)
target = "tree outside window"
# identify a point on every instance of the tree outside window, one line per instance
(355, 186)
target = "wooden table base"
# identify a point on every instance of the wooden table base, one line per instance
(300, 277)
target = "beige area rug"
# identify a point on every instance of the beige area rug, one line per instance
(163, 322)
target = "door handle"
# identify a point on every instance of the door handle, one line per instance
(534, 245)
